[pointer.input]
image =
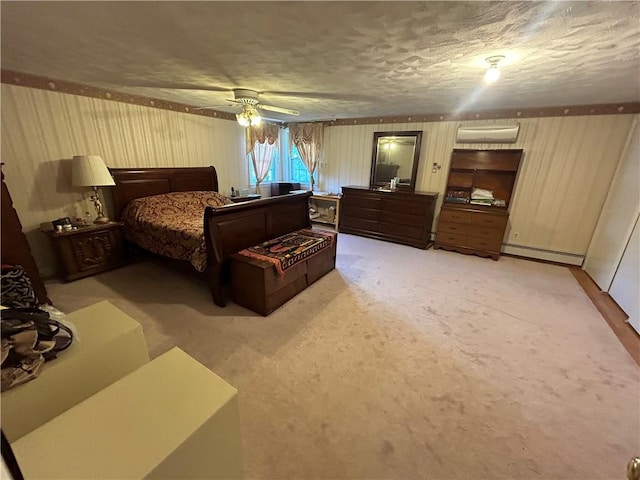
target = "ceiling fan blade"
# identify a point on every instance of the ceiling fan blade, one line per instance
(171, 86)
(210, 107)
(323, 96)
(271, 108)
(273, 120)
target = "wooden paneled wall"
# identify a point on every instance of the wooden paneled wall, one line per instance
(564, 177)
(43, 130)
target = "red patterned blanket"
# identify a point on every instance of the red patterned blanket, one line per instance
(285, 251)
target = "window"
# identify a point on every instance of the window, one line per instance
(286, 165)
(298, 172)
(271, 176)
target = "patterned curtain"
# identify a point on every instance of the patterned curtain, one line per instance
(261, 144)
(308, 139)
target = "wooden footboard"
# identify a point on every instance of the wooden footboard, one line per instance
(231, 228)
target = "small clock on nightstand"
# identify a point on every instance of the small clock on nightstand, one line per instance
(88, 250)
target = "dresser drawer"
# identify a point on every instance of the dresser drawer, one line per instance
(403, 206)
(359, 212)
(452, 238)
(462, 240)
(447, 227)
(402, 219)
(455, 216)
(405, 231)
(471, 230)
(361, 201)
(489, 220)
(485, 243)
(359, 223)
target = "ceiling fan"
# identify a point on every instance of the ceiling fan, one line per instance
(248, 99)
(250, 102)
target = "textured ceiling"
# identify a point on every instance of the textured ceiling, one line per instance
(335, 59)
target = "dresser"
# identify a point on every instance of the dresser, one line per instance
(396, 216)
(471, 230)
(475, 211)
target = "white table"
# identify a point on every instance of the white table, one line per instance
(172, 418)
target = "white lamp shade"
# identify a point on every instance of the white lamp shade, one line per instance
(90, 171)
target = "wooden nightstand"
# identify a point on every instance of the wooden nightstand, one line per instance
(88, 250)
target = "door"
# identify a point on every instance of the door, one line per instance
(625, 288)
(618, 216)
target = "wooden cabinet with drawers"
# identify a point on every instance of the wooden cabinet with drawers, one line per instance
(469, 224)
(396, 216)
(89, 250)
(471, 230)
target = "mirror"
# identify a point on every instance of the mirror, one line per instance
(395, 154)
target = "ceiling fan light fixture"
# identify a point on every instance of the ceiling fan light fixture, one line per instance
(493, 72)
(242, 119)
(248, 116)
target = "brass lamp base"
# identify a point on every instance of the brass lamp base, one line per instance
(100, 220)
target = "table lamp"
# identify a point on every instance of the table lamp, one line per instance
(90, 171)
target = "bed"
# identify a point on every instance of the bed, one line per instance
(226, 227)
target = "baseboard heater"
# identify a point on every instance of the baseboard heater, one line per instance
(542, 254)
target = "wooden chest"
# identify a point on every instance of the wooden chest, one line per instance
(257, 285)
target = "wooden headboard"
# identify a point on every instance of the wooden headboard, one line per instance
(132, 183)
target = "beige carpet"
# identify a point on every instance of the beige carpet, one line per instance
(404, 364)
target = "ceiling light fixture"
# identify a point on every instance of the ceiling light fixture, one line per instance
(248, 116)
(493, 73)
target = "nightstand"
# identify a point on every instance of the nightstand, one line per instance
(88, 250)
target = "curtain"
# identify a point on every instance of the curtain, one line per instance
(261, 144)
(308, 139)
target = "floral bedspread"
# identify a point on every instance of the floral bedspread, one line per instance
(172, 224)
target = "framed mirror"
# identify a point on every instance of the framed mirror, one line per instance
(395, 155)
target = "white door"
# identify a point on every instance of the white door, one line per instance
(618, 216)
(625, 288)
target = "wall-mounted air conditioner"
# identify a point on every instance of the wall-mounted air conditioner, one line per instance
(488, 133)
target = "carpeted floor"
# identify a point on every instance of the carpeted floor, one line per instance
(404, 364)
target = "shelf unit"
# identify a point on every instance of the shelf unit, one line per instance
(473, 227)
(325, 210)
